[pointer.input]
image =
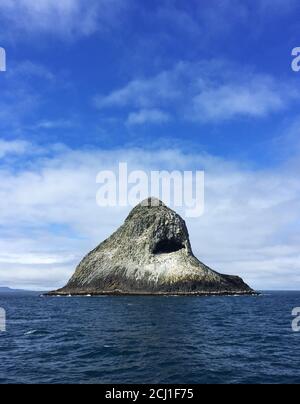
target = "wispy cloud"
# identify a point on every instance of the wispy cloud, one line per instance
(144, 116)
(205, 91)
(72, 19)
(144, 92)
(257, 96)
(67, 19)
(13, 147)
(53, 124)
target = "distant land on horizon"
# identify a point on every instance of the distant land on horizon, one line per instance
(6, 289)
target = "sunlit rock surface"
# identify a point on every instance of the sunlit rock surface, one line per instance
(149, 254)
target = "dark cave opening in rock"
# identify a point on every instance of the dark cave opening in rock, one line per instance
(167, 246)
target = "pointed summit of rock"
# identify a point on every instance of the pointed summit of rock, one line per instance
(149, 254)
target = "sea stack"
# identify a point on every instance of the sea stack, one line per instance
(150, 254)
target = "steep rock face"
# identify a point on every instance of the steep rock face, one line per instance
(149, 254)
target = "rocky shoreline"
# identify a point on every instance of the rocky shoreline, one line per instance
(120, 293)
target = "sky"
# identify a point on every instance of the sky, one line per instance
(161, 85)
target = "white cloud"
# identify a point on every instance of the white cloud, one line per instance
(33, 259)
(49, 217)
(143, 92)
(205, 91)
(257, 97)
(147, 116)
(12, 147)
(53, 124)
(67, 19)
(70, 19)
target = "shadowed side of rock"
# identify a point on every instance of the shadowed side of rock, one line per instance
(149, 254)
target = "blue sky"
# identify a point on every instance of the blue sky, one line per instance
(163, 85)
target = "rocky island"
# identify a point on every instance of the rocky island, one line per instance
(150, 254)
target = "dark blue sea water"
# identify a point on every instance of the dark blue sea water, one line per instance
(150, 339)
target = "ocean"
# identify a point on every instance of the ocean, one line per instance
(149, 339)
